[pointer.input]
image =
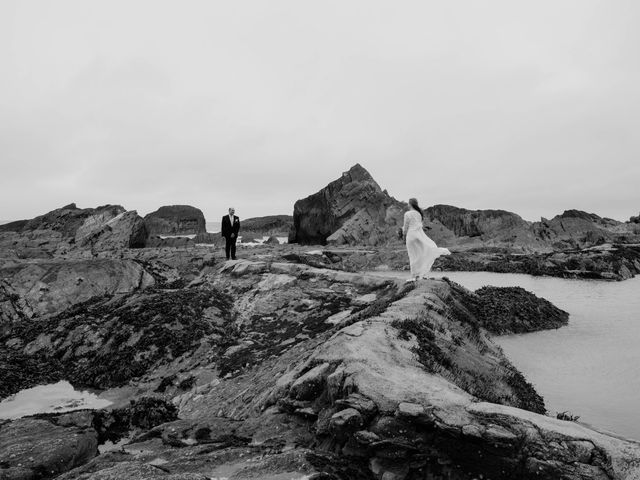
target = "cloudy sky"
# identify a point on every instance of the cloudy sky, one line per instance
(532, 107)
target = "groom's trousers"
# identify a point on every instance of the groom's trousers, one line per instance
(230, 246)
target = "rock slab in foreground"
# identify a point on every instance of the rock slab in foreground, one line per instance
(33, 448)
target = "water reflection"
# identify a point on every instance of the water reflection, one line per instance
(54, 398)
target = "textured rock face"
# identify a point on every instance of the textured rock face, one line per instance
(33, 448)
(127, 337)
(476, 223)
(604, 262)
(354, 210)
(351, 209)
(570, 230)
(69, 219)
(485, 227)
(577, 229)
(390, 390)
(126, 230)
(284, 370)
(268, 226)
(69, 228)
(176, 220)
(39, 289)
(504, 310)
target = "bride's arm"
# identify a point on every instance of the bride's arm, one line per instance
(405, 226)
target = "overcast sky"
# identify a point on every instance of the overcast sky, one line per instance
(532, 107)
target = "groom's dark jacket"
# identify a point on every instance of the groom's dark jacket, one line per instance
(228, 229)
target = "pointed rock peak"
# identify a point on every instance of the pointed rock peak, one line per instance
(71, 206)
(359, 173)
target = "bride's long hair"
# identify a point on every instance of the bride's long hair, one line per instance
(414, 204)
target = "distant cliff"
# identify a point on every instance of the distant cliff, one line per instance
(278, 225)
(350, 210)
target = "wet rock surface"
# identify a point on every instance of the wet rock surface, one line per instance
(604, 262)
(503, 310)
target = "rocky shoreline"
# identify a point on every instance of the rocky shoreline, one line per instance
(606, 262)
(295, 361)
(280, 365)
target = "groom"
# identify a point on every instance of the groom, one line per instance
(230, 229)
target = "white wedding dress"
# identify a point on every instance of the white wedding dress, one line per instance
(422, 250)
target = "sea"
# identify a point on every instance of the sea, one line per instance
(588, 368)
(213, 227)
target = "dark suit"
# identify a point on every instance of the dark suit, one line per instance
(227, 230)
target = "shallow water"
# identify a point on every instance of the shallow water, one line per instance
(590, 367)
(53, 398)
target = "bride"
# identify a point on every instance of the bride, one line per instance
(422, 250)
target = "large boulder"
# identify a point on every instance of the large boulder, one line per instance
(176, 220)
(350, 210)
(125, 230)
(33, 448)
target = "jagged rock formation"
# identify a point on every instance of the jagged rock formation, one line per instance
(176, 220)
(484, 226)
(475, 223)
(69, 228)
(280, 370)
(352, 209)
(126, 230)
(577, 229)
(66, 220)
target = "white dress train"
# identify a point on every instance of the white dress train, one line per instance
(422, 250)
